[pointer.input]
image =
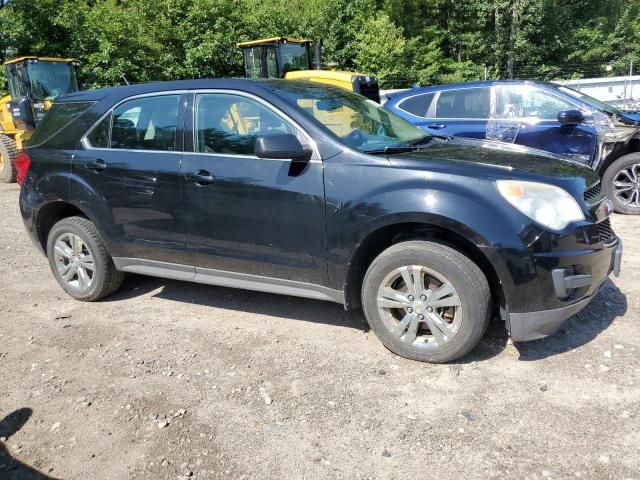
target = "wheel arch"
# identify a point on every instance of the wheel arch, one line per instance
(390, 234)
(51, 213)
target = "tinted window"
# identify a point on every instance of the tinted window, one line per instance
(60, 115)
(147, 123)
(252, 62)
(231, 124)
(528, 102)
(464, 103)
(272, 63)
(417, 105)
(99, 136)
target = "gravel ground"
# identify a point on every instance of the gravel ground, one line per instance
(175, 380)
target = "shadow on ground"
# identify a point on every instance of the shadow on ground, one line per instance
(11, 468)
(287, 307)
(609, 304)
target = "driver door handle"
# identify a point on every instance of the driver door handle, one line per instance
(97, 166)
(436, 126)
(201, 177)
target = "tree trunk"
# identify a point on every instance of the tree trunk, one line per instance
(514, 30)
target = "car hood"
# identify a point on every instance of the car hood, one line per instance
(495, 159)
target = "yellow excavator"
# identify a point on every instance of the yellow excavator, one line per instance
(34, 82)
(291, 58)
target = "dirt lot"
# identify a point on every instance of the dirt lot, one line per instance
(171, 380)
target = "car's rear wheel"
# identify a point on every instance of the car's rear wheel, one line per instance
(80, 261)
(621, 182)
(426, 301)
(8, 153)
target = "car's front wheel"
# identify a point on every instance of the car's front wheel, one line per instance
(426, 301)
(621, 183)
(80, 261)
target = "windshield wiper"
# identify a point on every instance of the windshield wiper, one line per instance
(429, 138)
(411, 146)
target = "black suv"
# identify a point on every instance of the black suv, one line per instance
(296, 188)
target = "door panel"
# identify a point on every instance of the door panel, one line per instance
(256, 216)
(135, 191)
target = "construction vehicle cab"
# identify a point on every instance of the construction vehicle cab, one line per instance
(291, 58)
(34, 82)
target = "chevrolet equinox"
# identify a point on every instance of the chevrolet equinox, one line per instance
(301, 189)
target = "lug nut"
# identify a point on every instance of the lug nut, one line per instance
(410, 310)
(429, 309)
(421, 317)
(410, 297)
(423, 297)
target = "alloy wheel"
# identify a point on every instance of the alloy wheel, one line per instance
(74, 261)
(420, 307)
(626, 185)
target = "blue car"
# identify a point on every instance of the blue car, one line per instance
(539, 115)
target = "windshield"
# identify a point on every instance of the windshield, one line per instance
(353, 119)
(52, 79)
(594, 102)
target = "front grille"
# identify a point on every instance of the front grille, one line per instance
(605, 231)
(592, 192)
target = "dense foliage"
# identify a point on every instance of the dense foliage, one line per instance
(400, 41)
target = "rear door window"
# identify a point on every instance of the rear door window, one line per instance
(417, 105)
(465, 103)
(147, 123)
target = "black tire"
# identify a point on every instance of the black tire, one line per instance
(609, 177)
(8, 152)
(467, 279)
(106, 279)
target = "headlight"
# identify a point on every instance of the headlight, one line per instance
(548, 205)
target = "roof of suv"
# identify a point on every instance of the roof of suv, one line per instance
(141, 88)
(452, 86)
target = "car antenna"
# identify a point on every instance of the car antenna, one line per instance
(125, 79)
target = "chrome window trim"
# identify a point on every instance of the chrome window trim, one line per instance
(315, 158)
(85, 138)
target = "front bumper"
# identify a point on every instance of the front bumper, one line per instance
(571, 286)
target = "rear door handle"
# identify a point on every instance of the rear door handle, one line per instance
(97, 166)
(436, 126)
(201, 177)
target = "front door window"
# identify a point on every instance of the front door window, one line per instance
(230, 124)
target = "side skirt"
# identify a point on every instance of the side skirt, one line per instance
(228, 279)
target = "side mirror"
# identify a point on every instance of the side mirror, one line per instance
(570, 117)
(282, 146)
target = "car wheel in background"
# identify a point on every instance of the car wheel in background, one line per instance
(426, 301)
(621, 182)
(80, 261)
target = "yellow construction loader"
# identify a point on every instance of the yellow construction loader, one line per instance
(34, 82)
(291, 58)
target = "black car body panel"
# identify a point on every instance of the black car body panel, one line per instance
(307, 228)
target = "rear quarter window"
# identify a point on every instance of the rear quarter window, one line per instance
(417, 105)
(56, 119)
